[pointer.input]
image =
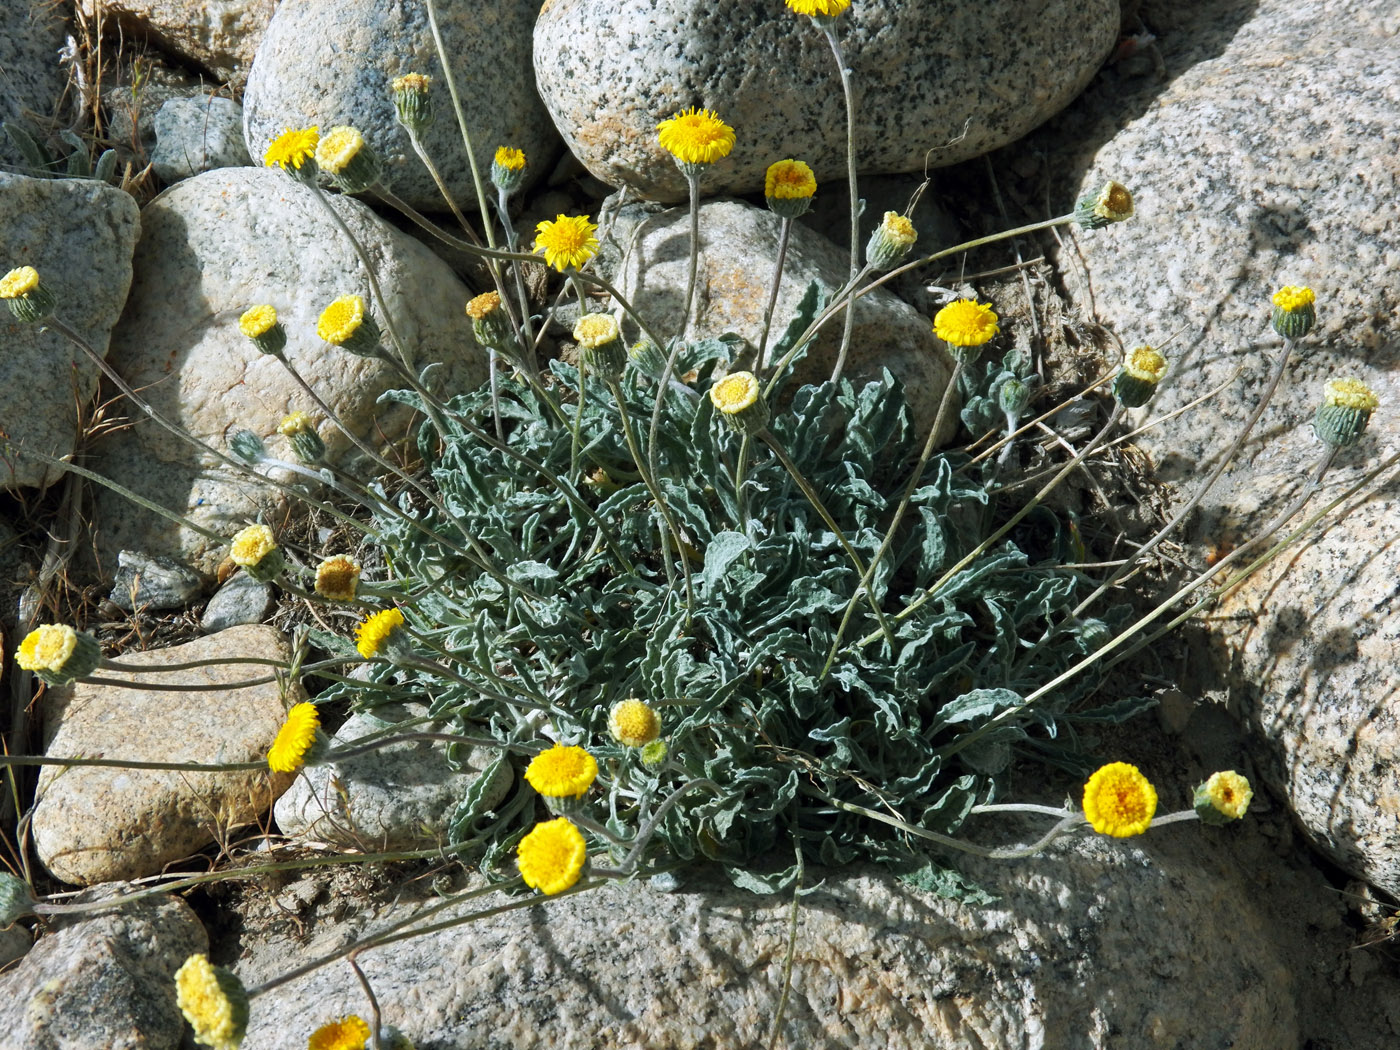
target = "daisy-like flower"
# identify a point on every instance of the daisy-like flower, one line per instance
(259, 323)
(562, 772)
(255, 550)
(337, 578)
(490, 324)
(739, 399)
(551, 856)
(348, 159)
(965, 322)
(788, 187)
(1119, 800)
(634, 723)
(1294, 313)
(1222, 798)
(695, 138)
(294, 739)
(347, 324)
(372, 636)
(507, 169)
(213, 1001)
(20, 281)
(1137, 380)
(1113, 203)
(600, 345)
(1345, 411)
(819, 8)
(26, 295)
(412, 101)
(58, 654)
(349, 1033)
(294, 151)
(567, 242)
(890, 241)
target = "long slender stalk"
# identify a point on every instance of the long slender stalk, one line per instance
(783, 236)
(829, 28)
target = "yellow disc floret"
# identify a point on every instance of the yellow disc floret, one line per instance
(595, 330)
(19, 282)
(551, 856)
(257, 320)
(47, 648)
(349, 1033)
(562, 772)
(695, 136)
(1146, 363)
(828, 8)
(1350, 393)
(371, 635)
(789, 179)
(340, 146)
(966, 322)
(734, 393)
(294, 739)
(1119, 800)
(510, 159)
(1291, 298)
(1229, 794)
(252, 545)
(567, 242)
(338, 578)
(634, 723)
(213, 1002)
(341, 319)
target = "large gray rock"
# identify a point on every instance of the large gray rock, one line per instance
(213, 246)
(220, 35)
(97, 823)
(79, 235)
(330, 62)
(1088, 943)
(399, 797)
(928, 77)
(738, 254)
(31, 77)
(104, 981)
(198, 134)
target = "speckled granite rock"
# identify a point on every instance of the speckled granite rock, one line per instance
(104, 981)
(739, 247)
(956, 79)
(1090, 943)
(79, 235)
(217, 244)
(400, 797)
(330, 62)
(30, 38)
(198, 134)
(219, 35)
(96, 823)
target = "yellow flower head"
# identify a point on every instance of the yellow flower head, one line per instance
(337, 578)
(551, 856)
(567, 242)
(1291, 298)
(562, 772)
(734, 393)
(965, 322)
(1119, 800)
(294, 423)
(484, 305)
(789, 179)
(1350, 393)
(1114, 202)
(213, 1001)
(510, 159)
(695, 136)
(349, 1033)
(595, 330)
(252, 545)
(825, 8)
(341, 320)
(257, 320)
(340, 146)
(292, 148)
(1228, 793)
(634, 723)
(898, 229)
(371, 635)
(19, 282)
(1146, 364)
(414, 83)
(294, 739)
(47, 648)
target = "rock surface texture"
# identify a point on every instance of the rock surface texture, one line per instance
(96, 823)
(198, 134)
(102, 981)
(330, 62)
(222, 242)
(32, 79)
(929, 77)
(79, 235)
(219, 35)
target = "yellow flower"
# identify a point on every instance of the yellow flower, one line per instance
(634, 723)
(19, 282)
(1291, 298)
(1350, 393)
(1227, 793)
(789, 179)
(47, 648)
(340, 146)
(257, 320)
(349, 1033)
(965, 322)
(567, 242)
(562, 772)
(595, 330)
(337, 578)
(292, 148)
(341, 320)
(418, 83)
(484, 305)
(1114, 203)
(294, 423)
(1146, 363)
(827, 8)
(213, 1001)
(510, 159)
(252, 545)
(1119, 800)
(294, 739)
(695, 136)
(735, 392)
(890, 241)
(551, 856)
(371, 635)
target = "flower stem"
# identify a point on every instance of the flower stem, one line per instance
(773, 295)
(849, 92)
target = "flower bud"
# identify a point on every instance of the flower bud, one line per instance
(890, 242)
(508, 169)
(58, 654)
(248, 447)
(1138, 377)
(15, 900)
(1294, 314)
(298, 429)
(600, 346)
(347, 324)
(788, 187)
(413, 101)
(490, 324)
(260, 324)
(1013, 396)
(1222, 798)
(348, 159)
(1346, 408)
(26, 295)
(1111, 204)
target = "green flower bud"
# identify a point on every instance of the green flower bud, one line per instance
(1346, 408)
